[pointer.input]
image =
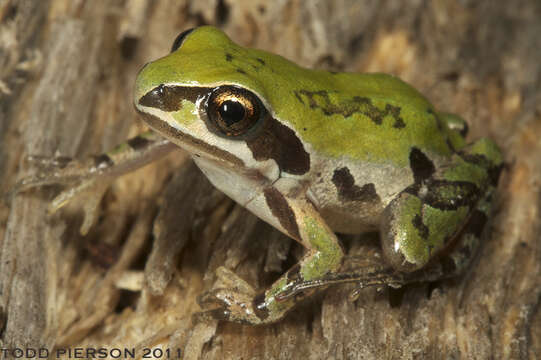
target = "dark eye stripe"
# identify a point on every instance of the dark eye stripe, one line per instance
(169, 98)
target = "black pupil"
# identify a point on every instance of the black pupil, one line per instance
(231, 112)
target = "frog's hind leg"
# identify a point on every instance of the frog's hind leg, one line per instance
(426, 218)
(447, 266)
(431, 230)
(89, 178)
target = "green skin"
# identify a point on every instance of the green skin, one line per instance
(331, 152)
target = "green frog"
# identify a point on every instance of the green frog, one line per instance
(313, 153)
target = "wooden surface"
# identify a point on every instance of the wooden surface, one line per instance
(67, 69)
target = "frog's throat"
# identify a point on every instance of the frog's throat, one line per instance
(191, 143)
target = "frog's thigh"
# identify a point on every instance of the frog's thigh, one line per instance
(414, 230)
(301, 221)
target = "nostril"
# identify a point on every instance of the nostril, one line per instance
(154, 98)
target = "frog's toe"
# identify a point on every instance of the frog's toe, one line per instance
(89, 194)
(210, 315)
(211, 298)
(48, 162)
(230, 305)
(228, 279)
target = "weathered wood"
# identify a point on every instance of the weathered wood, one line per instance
(66, 75)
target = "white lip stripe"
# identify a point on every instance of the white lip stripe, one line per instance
(198, 129)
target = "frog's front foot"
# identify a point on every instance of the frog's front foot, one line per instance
(237, 301)
(78, 179)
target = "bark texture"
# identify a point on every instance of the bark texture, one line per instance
(67, 70)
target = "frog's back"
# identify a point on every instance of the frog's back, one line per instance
(375, 118)
(364, 130)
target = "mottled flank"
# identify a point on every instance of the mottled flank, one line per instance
(278, 142)
(348, 106)
(169, 98)
(421, 166)
(348, 191)
(138, 143)
(282, 211)
(422, 228)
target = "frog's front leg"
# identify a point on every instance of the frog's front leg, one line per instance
(88, 179)
(301, 221)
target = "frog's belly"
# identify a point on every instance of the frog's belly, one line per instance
(351, 199)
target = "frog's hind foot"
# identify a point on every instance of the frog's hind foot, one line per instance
(231, 299)
(381, 274)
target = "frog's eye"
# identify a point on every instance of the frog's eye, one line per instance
(233, 110)
(180, 39)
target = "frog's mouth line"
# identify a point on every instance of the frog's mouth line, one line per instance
(174, 134)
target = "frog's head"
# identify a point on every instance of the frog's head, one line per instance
(211, 97)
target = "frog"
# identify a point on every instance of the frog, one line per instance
(314, 153)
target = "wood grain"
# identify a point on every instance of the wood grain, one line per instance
(66, 75)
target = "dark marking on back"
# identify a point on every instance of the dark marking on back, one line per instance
(395, 113)
(348, 106)
(169, 98)
(348, 191)
(298, 97)
(417, 223)
(103, 161)
(280, 208)
(260, 309)
(278, 142)
(421, 165)
(261, 61)
(228, 57)
(138, 143)
(240, 71)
